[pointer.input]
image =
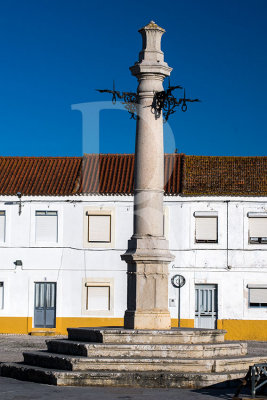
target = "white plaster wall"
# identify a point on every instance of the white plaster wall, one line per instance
(68, 262)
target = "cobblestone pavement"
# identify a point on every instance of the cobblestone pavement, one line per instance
(12, 346)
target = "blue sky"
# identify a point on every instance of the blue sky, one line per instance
(54, 54)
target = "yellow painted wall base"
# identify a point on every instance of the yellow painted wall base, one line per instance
(185, 323)
(14, 325)
(24, 325)
(236, 329)
(244, 329)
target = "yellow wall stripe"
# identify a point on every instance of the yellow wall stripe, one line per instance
(236, 329)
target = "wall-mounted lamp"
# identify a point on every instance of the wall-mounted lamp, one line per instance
(18, 263)
(19, 197)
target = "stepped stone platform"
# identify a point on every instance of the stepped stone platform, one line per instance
(181, 358)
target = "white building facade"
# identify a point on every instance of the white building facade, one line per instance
(60, 263)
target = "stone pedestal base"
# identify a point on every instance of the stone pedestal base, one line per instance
(172, 337)
(143, 319)
(147, 291)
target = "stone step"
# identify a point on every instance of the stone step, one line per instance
(172, 336)
(179, 365)
(183, 358)
(150, 379)
(148, 350)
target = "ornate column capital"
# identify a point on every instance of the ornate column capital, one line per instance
(151, 57)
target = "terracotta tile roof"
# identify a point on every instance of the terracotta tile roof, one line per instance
(39, 175)
(114, 174)
(234, 176)
(173, 173)
(107, 174)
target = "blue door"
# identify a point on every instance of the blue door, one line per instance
(45, 305)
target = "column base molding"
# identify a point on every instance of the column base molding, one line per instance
(157, 319)
(146, 249)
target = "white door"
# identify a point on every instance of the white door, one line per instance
(206, 309)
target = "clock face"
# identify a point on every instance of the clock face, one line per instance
(178, 281)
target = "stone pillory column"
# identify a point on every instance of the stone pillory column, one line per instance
(148, 253)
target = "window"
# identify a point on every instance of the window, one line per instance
(257, 295)
(206, 229)
(97, 298)
(257, 228)
(2, 226)
(46, 226)
(99, 228)
(1, 295)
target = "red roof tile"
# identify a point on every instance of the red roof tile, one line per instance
(217, 176)
(114, 174)
(39, 175)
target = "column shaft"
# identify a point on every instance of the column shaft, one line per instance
(148, 253)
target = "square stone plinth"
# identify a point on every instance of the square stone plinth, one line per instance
(139, 336)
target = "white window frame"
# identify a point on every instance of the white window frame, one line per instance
(206, 214)
(256, 287)
(97, 282)
(46, 212)
(98, 211)
(3, 213)
(46, 206)
(257, 240)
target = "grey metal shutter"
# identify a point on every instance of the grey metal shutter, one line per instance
(258, 295)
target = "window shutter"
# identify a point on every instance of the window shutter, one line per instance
(46, 226)
(258, 227)
(2, 226)
(99, 228)
(258, 295)
(206, 229)
(1, 295)
(98, 298)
